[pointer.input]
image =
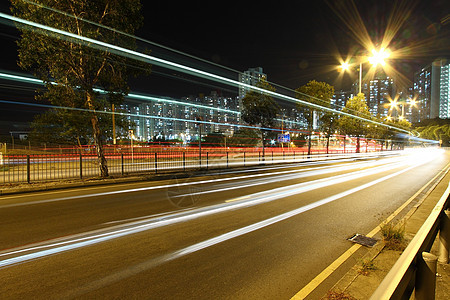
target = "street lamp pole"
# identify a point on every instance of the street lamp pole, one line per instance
(360, 76)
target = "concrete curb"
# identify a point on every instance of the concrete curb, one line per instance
(361, 286)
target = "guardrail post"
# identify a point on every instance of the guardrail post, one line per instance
(426, 277)
(156, 163)
(28, 168)
(81, 166)
(444, 237)
(244, 159)
(184, 161)
(207, 160)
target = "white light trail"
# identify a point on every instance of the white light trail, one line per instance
(185, 69)
(232, 204)
(207, 181)
(154, 262)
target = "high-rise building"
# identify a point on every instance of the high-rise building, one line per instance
(167, 118)
(377, 92)
(431, 86)
(340, 98)
(250, 77)
(444, 92)
(422, 89)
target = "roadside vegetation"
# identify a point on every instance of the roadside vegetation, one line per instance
(394, 235)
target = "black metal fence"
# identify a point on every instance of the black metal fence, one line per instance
(30, 168)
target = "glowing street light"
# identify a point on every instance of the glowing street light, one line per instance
(379, 57)
(345, 66)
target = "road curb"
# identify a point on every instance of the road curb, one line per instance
(357, 285)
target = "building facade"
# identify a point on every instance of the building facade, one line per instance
(165, 118)
(377, 92)
(431, 89)
(444, 89)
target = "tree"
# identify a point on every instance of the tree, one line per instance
(259, 109)
(72, 71)
(319, 93)
(63, 126)
(353, 126)
(436, 132)
(214, 139)
(244, 137)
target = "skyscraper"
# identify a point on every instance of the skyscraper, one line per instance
(444, 92)
(431, 86)
(250, 77)
(377, 92)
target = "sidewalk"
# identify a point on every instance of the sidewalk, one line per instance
(360, 283)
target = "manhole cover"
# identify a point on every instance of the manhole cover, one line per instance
(363, 240)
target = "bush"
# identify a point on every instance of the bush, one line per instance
(394, 235)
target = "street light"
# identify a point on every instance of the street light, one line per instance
(377, 58)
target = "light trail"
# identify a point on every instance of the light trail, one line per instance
(182, 68)
(26, 79)
(154, 262)
(167, 186)
(284, 177)
(232, 204)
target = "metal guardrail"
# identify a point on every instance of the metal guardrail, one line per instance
(415, 270)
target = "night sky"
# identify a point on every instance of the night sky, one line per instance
(294, 41)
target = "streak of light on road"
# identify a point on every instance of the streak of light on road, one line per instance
(34, 252)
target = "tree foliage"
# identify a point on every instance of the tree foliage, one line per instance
(260, 109)
(73, 71)
(245, 137)
(435, 132)
(68, 127)
(319, 93)
(349, 125)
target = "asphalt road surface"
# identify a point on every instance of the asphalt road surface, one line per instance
(258, 233)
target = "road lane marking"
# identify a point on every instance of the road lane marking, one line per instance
(313, 284)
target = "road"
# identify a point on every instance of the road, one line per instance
(255, 233)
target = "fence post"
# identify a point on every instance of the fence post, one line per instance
(184, 161)
(227, 159)
(121, 158)
(444, 237)
(244, 159)
(28, 168)
(207, 160)
(426, 277)
(156, 163)
(81, 166)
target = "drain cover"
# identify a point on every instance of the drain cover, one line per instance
(363, 240)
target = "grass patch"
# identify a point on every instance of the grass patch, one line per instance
(338, 295)
(367, 266)
(394, 235)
